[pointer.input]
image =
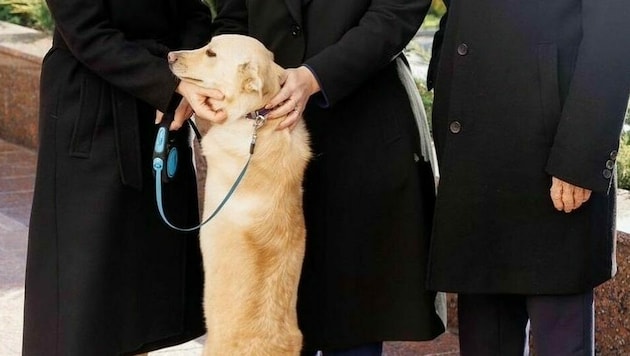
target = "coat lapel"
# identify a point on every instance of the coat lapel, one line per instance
(295, 8)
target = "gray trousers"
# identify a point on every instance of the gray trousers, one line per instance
(497, 324)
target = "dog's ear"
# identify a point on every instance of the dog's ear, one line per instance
(274, 76)
(250, 78)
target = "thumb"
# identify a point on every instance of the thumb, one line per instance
(158, 116)
(211, 93)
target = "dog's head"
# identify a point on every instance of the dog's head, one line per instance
(239, 66)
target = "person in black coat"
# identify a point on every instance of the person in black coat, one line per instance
(369, 191)
(105, 276)
(530, 98)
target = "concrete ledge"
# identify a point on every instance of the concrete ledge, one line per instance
(21, 53)
(23, 42)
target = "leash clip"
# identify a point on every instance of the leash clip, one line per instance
(259, 121)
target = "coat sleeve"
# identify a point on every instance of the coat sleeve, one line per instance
(196, 22)
(382, 33)
(587, 138)
(232, 18)
(97, 44)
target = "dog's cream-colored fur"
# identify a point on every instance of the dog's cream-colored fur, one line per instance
(253, 249)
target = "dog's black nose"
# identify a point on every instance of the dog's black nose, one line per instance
(172, 58)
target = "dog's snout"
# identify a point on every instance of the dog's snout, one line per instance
(172, 57)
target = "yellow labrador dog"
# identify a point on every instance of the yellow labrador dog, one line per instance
(253, 248)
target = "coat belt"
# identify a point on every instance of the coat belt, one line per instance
(127, 132)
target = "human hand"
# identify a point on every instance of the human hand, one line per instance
(199, 99)
(566, 196)
(183, 112)
(298, 84)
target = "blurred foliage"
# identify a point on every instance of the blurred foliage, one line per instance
(7, 15)
(623, 158)
(427, 99)
(212, 4)
(437, 8)
(29, 13)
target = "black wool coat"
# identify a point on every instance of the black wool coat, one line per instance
(368, 202)
(104, 275)
(527, 90)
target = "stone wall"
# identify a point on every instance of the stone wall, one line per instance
(21, 53)
(612, 306)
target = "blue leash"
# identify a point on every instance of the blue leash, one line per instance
(158, 199)
(158, 165)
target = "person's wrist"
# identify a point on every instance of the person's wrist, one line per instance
(178, 89)
(313, 84)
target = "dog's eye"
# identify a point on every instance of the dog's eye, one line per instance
(209, 53)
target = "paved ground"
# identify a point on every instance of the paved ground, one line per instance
(17, 175)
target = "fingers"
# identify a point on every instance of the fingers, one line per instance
(298, 85)
(293, 125)
(284, 94)
(188, 90)
(290, 107)
(555, 192)
(581, 196)
(201, 101)
(568, 200)
(205, 111)
(587, 195)
(282, 101)
(290, 121)
(212, 93)
(282, 97)
(158, 117)
(182, 113)
(566, 196)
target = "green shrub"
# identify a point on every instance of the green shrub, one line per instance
(437, 8)
(432, 20)
(29, 13)
(7, 15)
(623, 158)
(427, 99)
(212, 4)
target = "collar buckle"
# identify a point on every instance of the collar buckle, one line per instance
(260, 118)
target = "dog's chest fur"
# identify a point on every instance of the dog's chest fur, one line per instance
(254, 247)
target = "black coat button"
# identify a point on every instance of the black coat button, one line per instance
(455, 127)
(610, 164)
(607, 173)
(462, 49)
(296, 30)
(613, 155)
